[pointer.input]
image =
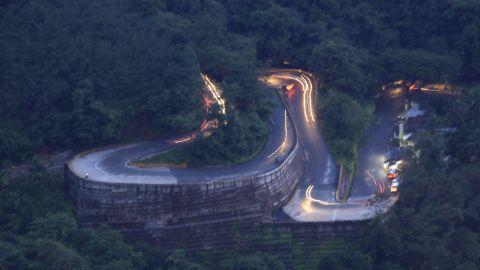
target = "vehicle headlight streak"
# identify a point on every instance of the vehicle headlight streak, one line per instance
(309, 93)
(308, 194)
(216, 94)
(381, 183)
(212, 88)
(182, 140)
(285, 137)
(307, 88)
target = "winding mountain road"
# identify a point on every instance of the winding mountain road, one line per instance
(112, 165)
(314, 200)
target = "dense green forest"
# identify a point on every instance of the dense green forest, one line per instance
(433, 226)
(435, 222)
(79, 74)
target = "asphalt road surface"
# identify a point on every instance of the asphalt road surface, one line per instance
(314, 199)
(371, 155)
(112, 165)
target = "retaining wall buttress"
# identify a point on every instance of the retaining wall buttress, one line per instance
(155, 211)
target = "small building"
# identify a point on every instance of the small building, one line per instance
(409, 122)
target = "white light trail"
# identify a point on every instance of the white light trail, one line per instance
(307, 91)
(212, 88)
(308, 194)
(306, 95)
(285, 137)
(182, 140)
(304, 87)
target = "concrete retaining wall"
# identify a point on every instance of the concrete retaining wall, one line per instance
(159, 212)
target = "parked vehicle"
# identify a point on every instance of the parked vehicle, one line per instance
(391, 174)
(394, 186)
(393, 165)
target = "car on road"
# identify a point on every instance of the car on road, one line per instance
(393, 165)
(394, 186)
(392, 174)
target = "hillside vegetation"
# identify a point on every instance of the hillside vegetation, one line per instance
(79, 74)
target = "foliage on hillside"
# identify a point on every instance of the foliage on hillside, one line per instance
(38, 230)
(343, 122)
(434, 225)
(75, 74)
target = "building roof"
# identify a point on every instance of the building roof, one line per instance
(413, 112)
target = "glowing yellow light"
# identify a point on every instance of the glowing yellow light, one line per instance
(215, 92)
(438, 88)
(272, 81)
(307, 206)
(308, 195)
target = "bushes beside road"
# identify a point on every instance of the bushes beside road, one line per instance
(343, 122)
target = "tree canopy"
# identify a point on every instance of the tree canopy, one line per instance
(79, 74)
